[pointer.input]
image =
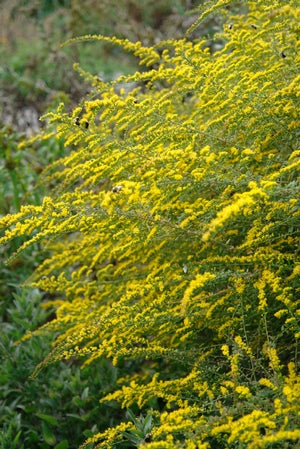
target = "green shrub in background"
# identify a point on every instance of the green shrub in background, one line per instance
(58, 410)
(173, 237)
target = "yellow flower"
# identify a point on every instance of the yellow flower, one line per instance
(243, 391)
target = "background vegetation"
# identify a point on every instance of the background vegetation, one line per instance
(166, 245)
(36, 73)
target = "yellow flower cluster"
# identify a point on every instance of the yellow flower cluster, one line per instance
(172, 231)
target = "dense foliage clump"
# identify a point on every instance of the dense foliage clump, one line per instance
(172, 236)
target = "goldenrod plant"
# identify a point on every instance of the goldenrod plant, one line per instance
(172, 235)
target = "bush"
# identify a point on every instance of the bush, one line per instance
(60, 408)
(173, 229)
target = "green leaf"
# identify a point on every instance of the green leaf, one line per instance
(147, 425)
(16, 439)
(85, 394)
(62, 445)
(86, 416)
(130, 414)
(137, 433)
(48, 418)
(133, 438)
(23, 323)
(78, 402)
(48, 434)
(75, 415)
(88, 433)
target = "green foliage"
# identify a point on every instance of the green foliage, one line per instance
(61, 407)
(142, 432)
(172, 233)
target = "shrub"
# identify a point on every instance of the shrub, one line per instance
(60, 408)
(173, 228)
